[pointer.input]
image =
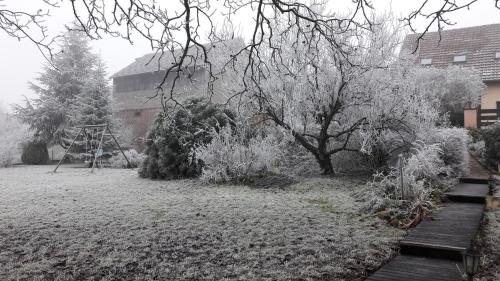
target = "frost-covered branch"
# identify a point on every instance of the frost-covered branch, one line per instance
(438, 14)
(29, 26)
(185, 31)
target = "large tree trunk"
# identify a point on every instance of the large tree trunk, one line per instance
(319, 151)
(326, 164)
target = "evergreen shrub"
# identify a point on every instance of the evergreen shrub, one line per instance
(35, 153)
(491, 137)
(174, 136)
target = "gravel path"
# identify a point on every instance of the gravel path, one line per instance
(112, 225)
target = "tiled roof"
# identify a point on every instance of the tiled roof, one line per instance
(479, 44)
(142, 99)
(151, 62)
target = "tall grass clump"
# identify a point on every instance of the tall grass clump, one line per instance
(236, 154)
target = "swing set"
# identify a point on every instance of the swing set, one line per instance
(93, 138)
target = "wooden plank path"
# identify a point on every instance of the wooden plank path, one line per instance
(418, 269)
(433, 250)
(448, 234)
(468, 192)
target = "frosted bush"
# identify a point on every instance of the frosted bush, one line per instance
(297, 161)
(453, 143)
(175, 135)
(477, 148)
(124, 133)
(426, 162)
(12, 135)
(424, 165)
(294, 159)
(233, 155)
(421, 172)
(135, 158)
(487, 146)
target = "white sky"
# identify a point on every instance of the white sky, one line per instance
(21, 61)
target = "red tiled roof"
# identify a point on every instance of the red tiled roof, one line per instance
(479, 44)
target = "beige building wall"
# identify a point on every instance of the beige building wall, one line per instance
(491, 96)
(470, 118)
(488, 101)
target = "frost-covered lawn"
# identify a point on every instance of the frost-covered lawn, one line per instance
(112, 225)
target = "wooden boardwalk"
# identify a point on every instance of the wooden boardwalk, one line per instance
(449, 233)
(433, 250)
(468, 192)
(477, 169)
(418, 269)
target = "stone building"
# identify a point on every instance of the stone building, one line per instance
(135, 101)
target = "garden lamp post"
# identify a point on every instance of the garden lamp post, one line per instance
(491, 184)
(471, 263)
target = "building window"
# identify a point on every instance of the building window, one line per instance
(459, 58)
(137, 113)
(426, 61)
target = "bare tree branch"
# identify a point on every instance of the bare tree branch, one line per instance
(437, 16)
(177, 31)
(29, 26)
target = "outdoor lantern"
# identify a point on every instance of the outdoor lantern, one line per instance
(471, 263)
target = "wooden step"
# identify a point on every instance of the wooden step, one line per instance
(474, 180)
(468, 193)
(403, 268)
(447, 235)
(434, 249)
(426, 249)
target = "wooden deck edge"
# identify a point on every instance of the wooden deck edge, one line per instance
(464, 198)
(432, 250)
(406, 267)
(477, 180)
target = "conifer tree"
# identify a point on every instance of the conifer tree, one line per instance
(71, 91)
(92, 106)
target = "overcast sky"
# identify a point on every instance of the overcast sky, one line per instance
(21, 61)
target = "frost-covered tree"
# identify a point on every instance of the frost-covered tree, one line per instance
(324, 97)
(71, 91)
(351, 100)
(93, 106)
(457, 86)
(12, 135)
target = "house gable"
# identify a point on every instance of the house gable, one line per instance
(475, 47)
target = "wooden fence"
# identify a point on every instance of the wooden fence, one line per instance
(477, 117)
(487, 117)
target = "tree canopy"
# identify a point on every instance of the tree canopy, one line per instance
(170, 26)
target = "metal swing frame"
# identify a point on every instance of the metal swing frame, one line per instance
(83, 129)
(88, 144)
